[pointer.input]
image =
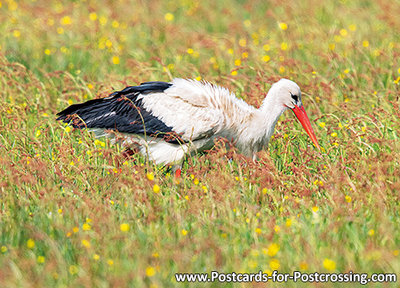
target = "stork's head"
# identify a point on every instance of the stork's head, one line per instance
(287, 94)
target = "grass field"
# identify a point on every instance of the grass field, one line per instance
(75, 213)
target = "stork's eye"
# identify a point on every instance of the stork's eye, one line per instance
(295, 97)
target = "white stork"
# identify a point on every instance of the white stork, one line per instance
(166, 121)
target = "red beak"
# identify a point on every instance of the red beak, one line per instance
(305, 122)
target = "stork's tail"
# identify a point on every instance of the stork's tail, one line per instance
(79, 115)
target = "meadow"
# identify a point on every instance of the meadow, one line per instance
(75, 212)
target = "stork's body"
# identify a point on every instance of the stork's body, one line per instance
(166, 121)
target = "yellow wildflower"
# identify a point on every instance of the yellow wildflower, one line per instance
(266, 58)
(156, 188)
(86, 227)
(274, 264)
(150, 271)
(115, 60)
(85, 243)
(272, 249)
(93, 16)
(329, 264)
(150, 176)
(30, 243)
(343, 32)
(103, 20)
(283, 26)
(66, 20)
(124, 227)
(303, 265)
(169, 17)
(115, 24)
(73, 269)
(247, 23)
(99, 143)
(12, 5)
(266, 47)
(16, 33)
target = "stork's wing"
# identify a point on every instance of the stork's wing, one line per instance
(187, 109)
(196, 110)
(122, 111)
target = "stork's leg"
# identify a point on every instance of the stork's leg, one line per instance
(176, 168)
(127, 153)
(178, 173)
(255, 157)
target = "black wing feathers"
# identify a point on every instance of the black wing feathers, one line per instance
(121, 111)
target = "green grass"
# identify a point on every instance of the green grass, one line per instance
(64, 195)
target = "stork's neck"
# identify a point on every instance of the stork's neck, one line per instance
(266, 117)
(271, 110)
(259, 129)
